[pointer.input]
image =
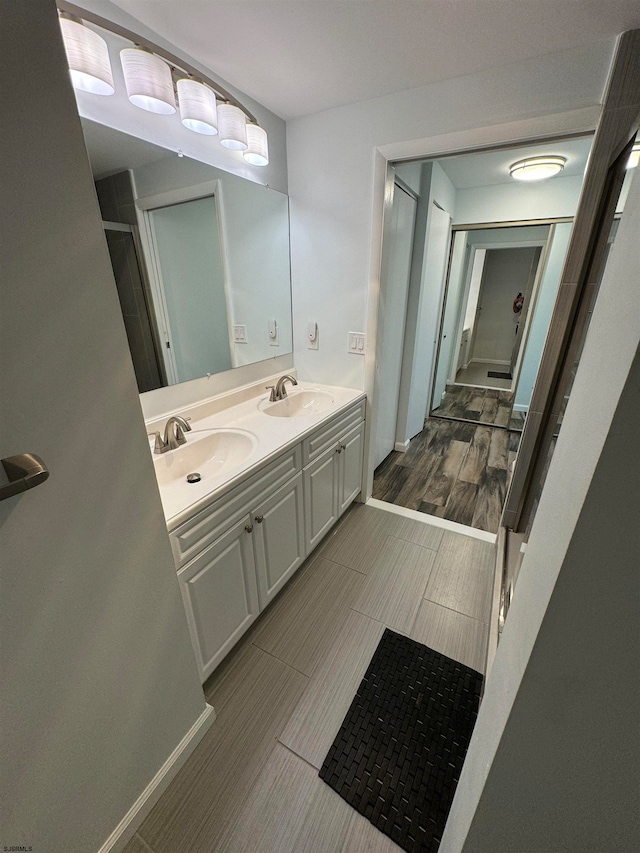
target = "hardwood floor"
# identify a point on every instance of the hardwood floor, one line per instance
(452, 470)
(252, 785)
(480, 405)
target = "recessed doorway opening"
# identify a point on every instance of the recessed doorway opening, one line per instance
(467, 292)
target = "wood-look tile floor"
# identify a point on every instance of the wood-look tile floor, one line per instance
(252, 785)
(477, 373)
(453, 470)
(480, 405)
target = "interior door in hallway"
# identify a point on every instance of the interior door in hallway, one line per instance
(392, 313)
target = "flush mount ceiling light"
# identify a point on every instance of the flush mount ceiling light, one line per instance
(537, 168)
(257, 152)
(149, 73)
(634, 157)
(197, 107)
(88, 58)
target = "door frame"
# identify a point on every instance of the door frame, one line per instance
(540, 129)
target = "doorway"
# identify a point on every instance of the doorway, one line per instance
(470, 359)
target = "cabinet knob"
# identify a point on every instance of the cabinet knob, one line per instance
(259, 519)
(248, 527)
(339, 449)
(343, 446)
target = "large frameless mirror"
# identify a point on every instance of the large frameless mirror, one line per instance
(200, 257)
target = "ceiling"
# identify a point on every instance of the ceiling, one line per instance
(490, 168)
(298, 57)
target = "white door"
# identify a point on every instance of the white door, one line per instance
(220, 595)
(448, 339)
(320, 503)
(429, 313)
(392, 316)
(278, 536)
(350, 485)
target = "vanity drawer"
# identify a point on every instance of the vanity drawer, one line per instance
(323, 439)
(194, 535)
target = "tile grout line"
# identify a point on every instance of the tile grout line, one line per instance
(293, 752)
(453, 610)
(275, 657)
(145, 843)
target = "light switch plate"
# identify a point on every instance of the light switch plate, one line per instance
(357, 343)
(240, 334)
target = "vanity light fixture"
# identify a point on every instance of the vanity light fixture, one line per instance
(257, 152)
(232, 127)
(634, 157)
(537, 168)
(88, 58)
(149, 71)
(148, 81)
(197, 107)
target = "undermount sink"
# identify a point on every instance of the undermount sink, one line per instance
(207, 453)
(298, 404)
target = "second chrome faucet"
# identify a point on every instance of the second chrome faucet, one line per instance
(279, 391)
(174, 431)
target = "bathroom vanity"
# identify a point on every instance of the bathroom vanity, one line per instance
(274, 477)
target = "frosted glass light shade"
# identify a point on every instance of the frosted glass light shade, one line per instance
(537, 168)
(257, 152)
(148, 81)
(232, 127)
(197, 107)
(88, 58)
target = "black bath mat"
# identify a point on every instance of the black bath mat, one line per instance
(496, 374)
(398, 755)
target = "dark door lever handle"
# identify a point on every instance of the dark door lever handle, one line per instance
(20, 473)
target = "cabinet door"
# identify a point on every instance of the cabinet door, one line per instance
(350, 473)
(278, 536)
(220, 596)
(320, 496)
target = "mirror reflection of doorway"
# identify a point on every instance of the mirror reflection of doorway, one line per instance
(492, 289)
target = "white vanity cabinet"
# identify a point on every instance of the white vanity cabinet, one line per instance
(220, 595)
(278, 538)
(333, 473)
(236, 554)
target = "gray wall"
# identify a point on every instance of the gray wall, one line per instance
(99, 679)
(553, 763)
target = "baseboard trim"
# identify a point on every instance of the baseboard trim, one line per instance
(125, 830)
(453, 526)
(402, 446)
(489, 361)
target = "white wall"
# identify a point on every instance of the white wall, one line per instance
(168, 131)
(99, 679)
(553, 762)
(336, 207)
(505, 274)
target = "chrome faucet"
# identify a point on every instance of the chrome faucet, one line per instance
(278, 391)
(174, 431)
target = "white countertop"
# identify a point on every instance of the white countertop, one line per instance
(273, 435)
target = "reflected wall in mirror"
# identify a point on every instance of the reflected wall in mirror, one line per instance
(200, 258)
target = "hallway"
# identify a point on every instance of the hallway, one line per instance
(252, 783)
(484, 405)
(452, 470)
